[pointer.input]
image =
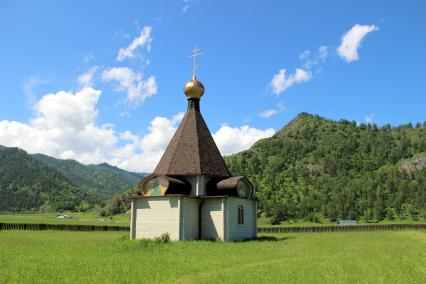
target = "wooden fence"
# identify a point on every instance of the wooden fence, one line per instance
(312, 229)
(319, 229)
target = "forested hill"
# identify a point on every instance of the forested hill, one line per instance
(316, 167)
(103, 178)
(42, 183)
(27, 184)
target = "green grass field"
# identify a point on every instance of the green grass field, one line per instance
(108, 257)
(77, 219)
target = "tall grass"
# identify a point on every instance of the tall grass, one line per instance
(109, 257)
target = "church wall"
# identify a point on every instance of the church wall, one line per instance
(248, 230)
(212, 224)
(189, 218)
(155, 216)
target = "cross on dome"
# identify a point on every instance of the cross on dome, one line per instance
(195, 52)
(194, 89)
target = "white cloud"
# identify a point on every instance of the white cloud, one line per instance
(63, 126)
(29, 87)
(132, 82)
(351, 41)
(313, 60)
(85, 79)
(304, 55)
(280, 107)
(231, 140)
(322, 52)
(144, 39)
(268, 113)
(145, 152)
(281, 82)
(369, 118)
(185, 8)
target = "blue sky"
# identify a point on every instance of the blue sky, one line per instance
(263, 62)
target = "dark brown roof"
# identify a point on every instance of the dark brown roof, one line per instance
(229, 182)
(192, 150)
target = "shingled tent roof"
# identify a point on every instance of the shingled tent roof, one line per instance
(192, 150)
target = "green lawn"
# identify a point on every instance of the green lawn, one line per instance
(77, 219)
(108, 257)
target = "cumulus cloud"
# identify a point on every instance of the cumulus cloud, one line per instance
(131, 82)
(85, 79)
(281, 81)
(63, 126)
(231, 140)
(145, 152)
(351, 41)
(30, 85)
(144, 39)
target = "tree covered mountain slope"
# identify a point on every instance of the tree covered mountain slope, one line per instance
(103, 178)
(316, 167)
(26, 184)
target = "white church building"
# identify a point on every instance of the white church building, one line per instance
(191, 195)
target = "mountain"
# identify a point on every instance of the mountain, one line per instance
(27, 184)
(316, 168)
(103, 178)
(117, 170)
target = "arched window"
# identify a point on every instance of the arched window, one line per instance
(240, 215)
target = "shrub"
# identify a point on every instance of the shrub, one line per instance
(163, 239)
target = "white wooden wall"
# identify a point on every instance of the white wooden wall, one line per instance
(234, 231)
(178, 216)
(189, 218)
(212, 222)
(155, 216)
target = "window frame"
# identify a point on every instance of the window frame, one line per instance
(240, 215)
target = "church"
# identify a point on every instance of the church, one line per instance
(191, 195)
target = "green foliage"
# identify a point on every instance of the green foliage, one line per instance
(28, 185)
(103, 178)
(118, 204)
(101, 257)
(163, 239)
(42, 183)
(315, 168)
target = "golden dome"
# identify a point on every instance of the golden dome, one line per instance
(193, 89)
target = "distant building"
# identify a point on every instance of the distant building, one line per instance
(63, 216)
(191, 194)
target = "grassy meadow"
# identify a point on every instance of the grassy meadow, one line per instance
(77, 219)
(109, 257)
